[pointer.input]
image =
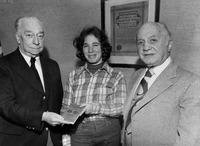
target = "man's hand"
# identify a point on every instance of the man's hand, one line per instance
(52, 118)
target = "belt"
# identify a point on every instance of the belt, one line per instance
(93, 118)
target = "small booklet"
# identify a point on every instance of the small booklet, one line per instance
(72, 112)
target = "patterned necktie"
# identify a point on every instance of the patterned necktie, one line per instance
(34, 69)
(142, 89)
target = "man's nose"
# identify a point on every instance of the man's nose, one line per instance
(35, 40)
(147, 46)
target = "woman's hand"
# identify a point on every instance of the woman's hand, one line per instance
(89, 107)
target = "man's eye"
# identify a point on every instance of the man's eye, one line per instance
(41, 36)
(139, 43)
(153, 41)
(29, 35)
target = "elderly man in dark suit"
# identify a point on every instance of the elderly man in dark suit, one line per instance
(163, 108)
(30, 90)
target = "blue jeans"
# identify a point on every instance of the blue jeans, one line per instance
(104, 132)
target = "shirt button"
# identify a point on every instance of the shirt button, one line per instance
(44, 98)
(47, 129)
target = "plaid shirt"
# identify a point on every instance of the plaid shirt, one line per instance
(106, 90)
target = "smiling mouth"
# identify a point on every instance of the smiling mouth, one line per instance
(92, 56)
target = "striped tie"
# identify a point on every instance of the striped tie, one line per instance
(143, 87)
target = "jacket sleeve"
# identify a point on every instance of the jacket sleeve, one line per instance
(11, 109)
(188, 133)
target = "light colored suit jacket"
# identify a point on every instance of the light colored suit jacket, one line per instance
(169, 113)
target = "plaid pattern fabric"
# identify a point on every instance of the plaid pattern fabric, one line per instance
(106, 89)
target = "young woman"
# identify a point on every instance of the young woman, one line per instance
(100, 88)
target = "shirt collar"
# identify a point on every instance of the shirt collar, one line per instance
(28, 58)
(158, 69)
(105, 67)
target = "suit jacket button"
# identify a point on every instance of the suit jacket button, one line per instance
(44, 98)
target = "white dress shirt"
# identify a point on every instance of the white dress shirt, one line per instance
(157, 71)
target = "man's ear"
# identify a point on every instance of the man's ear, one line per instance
(17, 35)
(170, 43)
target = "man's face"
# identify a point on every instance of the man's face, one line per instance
(92, 50)
(153, 47)
(30, 36)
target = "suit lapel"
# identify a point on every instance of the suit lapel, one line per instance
(163, 82)
(46, 74)
(129, 103)
(22, 68)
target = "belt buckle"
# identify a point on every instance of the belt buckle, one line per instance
(92, 118)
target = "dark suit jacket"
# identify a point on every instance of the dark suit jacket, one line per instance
(169, 113)
(23, 101)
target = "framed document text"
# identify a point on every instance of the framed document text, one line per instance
(121, 20)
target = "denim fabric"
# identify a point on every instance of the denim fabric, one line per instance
(104, 132)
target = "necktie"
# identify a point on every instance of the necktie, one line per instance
(34, 69)
(142, 89)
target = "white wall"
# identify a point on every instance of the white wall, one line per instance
(183, 19)
(63, 20)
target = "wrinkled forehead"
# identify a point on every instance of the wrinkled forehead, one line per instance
(31, 24)
(149, 30)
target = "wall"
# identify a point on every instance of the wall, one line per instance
(63, 20)
(183, 19)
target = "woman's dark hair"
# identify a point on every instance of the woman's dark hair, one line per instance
(100, 35)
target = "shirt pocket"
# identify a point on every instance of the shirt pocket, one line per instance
(103, 94)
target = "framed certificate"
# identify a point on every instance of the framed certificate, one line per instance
(121, 20)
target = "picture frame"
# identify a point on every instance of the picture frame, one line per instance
(121, 20)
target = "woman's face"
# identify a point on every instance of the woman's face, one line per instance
(92, 50)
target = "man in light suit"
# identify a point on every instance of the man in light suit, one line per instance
(29, 107)
(169, 112)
